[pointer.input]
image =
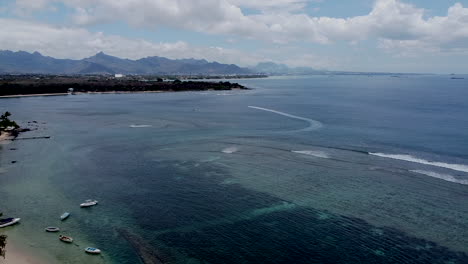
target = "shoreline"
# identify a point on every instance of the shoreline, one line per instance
(6, 136)
(29, 95)
(110, 92)
(17, 255)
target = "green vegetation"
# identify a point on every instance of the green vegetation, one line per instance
(30, 84)
(5, 122)
(3, 245)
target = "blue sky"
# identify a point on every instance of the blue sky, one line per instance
(360, 35)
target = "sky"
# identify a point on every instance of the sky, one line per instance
(420, 36)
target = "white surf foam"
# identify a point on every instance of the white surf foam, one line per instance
(140, 126)
(230, 150)
(457, 167)
(313, 124)
(445, 177)
(315, 153)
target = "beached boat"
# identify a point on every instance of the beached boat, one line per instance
(64, 216)
(89, 203)
(66, 239)
(92, 250)
(52, 229)
(8, 221)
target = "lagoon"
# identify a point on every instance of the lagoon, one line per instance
(314, 169)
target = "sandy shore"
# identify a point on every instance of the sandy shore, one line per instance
(16, 256)
(78, 93)
(5, 136)
(110, 92)
(29, 95)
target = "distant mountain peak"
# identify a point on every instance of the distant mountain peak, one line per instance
(102, 55)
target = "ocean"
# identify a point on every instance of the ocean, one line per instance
(310, 169)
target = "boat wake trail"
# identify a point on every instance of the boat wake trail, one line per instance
(456, 167)
(445, 177)
(313, 124)
(140, 126)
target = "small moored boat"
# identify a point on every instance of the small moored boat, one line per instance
(92, 250)
(66, 239)
(64, 216)
(89, 203)
(52, 229)
(8, 221)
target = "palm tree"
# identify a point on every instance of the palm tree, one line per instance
(6, 122)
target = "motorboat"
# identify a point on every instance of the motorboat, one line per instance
(52, 229)
(8, 221)
(64, 216)
(92, 250)
(66, 239)
(89, 203)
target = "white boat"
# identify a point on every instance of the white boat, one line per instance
(89, 203)
(92, 250)
(66, 239)
(52, 229)
(8, 221)
(64, 216)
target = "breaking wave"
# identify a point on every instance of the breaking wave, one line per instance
(313, 124)
(456, 167)
(445, 177)
(318, 154)
(140, 126)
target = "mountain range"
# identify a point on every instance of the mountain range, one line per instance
(22, 62)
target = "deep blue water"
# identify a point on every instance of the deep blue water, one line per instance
(379, 173)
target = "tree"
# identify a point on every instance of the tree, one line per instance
(3, 245)
(6, 122)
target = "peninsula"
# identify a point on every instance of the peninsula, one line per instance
(18, 85)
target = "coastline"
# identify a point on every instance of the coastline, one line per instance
(110, 92)
(5, 136)
(28, 95)
(15, 255)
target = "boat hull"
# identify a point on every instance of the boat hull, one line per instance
(64, 216)
(89, 203)
(52, 229)
(66, 239)
(94, 251)
(14, 221)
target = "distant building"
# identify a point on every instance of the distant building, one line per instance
(118, 75)
(70, 90)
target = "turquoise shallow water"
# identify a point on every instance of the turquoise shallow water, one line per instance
(345, 169)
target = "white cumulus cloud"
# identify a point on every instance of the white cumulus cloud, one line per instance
(396, 23)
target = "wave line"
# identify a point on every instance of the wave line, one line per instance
(404, 157)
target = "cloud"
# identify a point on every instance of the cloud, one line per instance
(448, 34)
(77, 43)
(395, 23)
(272, 5)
